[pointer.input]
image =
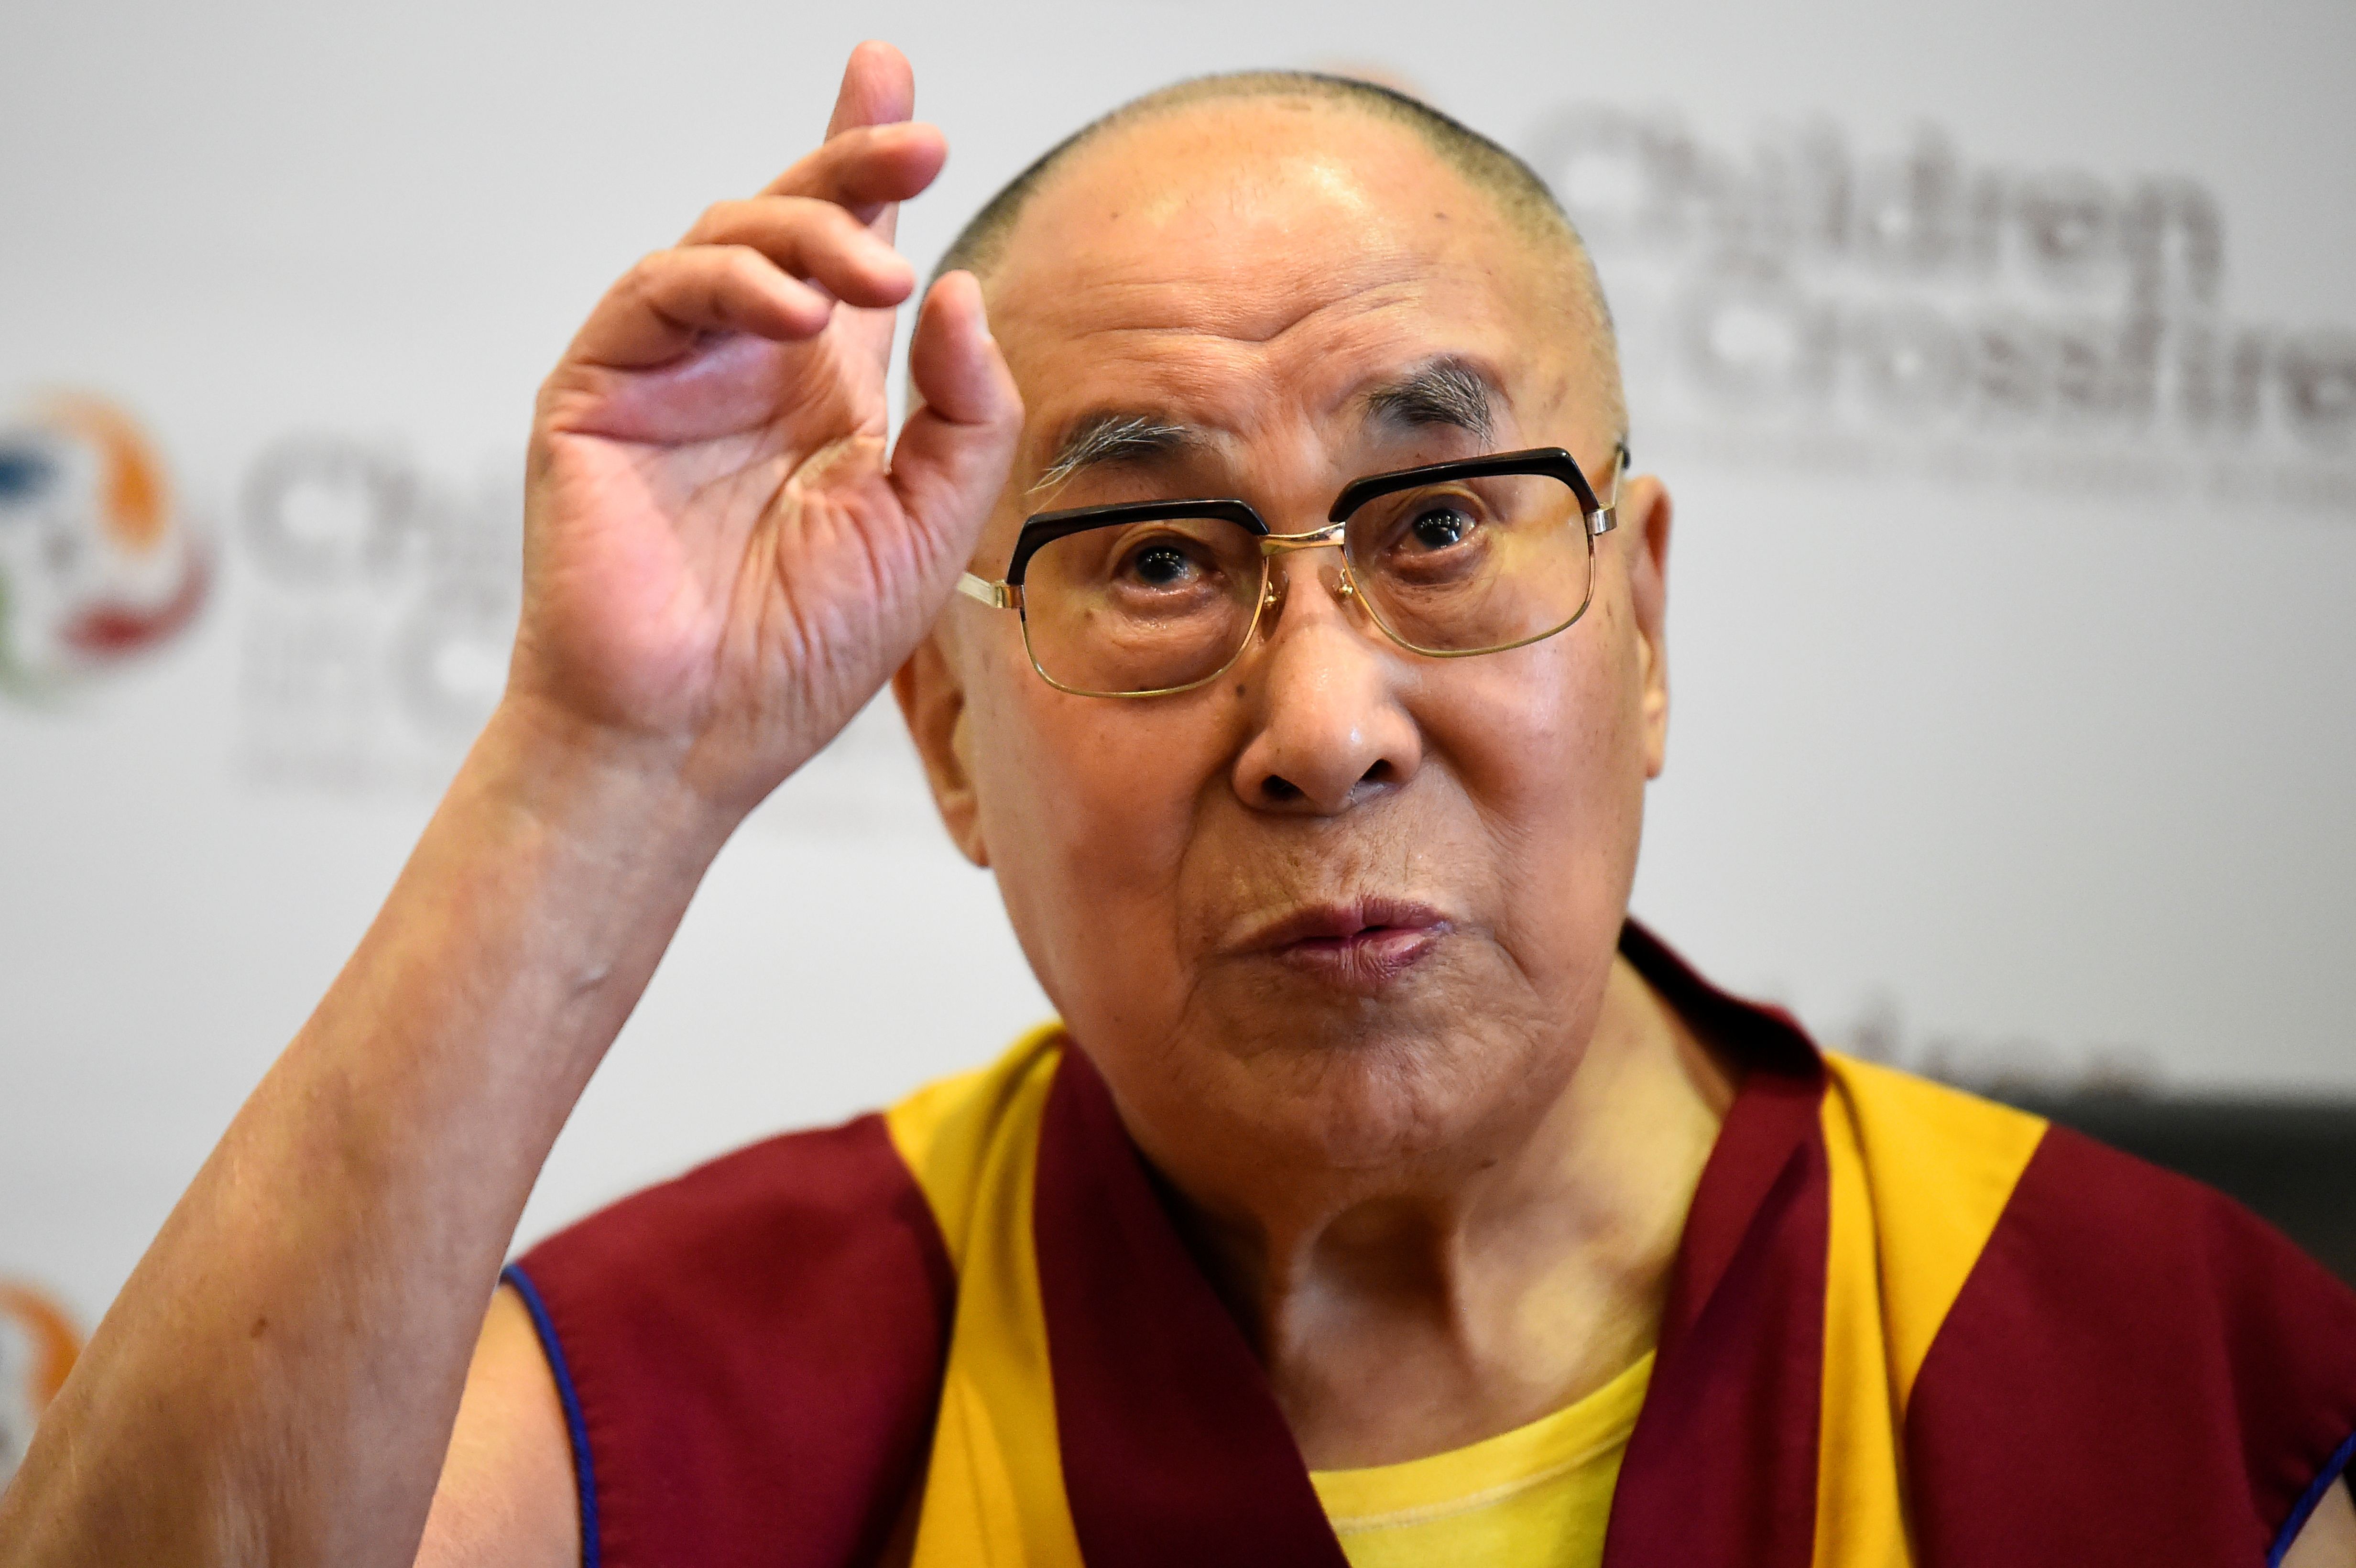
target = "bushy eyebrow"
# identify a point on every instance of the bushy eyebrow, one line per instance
(1116, 435)
(1449, 392)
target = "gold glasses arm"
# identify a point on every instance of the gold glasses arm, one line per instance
(1606, 517)
(997, 595)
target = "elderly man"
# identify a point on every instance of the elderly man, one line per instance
(1389, 1199)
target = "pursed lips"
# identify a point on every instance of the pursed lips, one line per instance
(1359, 946)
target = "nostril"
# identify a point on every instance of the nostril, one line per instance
(1381, 773)
(1278, 791)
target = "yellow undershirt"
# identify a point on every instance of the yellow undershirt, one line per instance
(1537, 1497)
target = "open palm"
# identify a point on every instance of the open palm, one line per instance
(721, 556)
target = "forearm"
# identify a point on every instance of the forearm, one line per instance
(278, 1379)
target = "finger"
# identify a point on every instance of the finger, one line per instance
(865, 168)
(668, 302)
(954, 453)
(813, 239)
(879, 86)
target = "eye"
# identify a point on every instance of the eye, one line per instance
(1440, 527)
(1161, 565)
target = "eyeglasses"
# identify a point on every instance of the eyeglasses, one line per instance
(1145, 599)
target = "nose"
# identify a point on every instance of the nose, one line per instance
(1330, 729)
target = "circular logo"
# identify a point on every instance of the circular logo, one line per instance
(38, 1345)
(96, 564)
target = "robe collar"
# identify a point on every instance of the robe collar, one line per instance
(1175, 1453)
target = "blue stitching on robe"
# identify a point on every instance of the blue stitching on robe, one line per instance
(2333, 1469)
(575, 1428)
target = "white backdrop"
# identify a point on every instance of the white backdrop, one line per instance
(2003, 363)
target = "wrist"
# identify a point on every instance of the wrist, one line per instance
(593, 784)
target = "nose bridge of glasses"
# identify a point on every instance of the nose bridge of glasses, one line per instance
(1330, 536)
(1274, 582)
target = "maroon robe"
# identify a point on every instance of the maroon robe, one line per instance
(2134, 1370)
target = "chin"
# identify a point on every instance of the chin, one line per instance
(1264, 1069)
(1371, 1092)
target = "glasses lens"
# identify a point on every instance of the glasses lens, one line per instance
(1140, 606)
(1473, 564)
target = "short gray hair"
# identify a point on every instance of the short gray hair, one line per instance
(1490, 168)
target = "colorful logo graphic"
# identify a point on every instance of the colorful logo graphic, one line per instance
(96, 565)
(38, 1345)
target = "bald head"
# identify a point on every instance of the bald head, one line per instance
(1504, 180)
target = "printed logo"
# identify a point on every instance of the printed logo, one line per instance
(381, 598)
(1796, 303)
(96, 564)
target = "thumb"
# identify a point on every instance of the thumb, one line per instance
(953, 454)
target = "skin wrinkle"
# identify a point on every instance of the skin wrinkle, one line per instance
(1372, 302)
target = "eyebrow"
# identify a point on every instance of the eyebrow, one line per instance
(1116, 436)
(1449, 392)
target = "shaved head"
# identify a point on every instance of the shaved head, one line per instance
(1509, 185)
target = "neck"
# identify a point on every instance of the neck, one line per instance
(1401, 1314)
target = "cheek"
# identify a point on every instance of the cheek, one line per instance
(1552, 757)
(1088, 807)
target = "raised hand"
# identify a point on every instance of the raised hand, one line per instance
(720, 565)
(720, 561)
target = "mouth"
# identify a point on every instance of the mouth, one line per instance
(1359, 947)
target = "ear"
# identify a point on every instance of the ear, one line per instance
(930, 690)
(1646, 514)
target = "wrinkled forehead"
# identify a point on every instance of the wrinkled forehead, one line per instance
(1255, 268)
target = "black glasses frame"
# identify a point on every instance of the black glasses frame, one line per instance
(1044, 528)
